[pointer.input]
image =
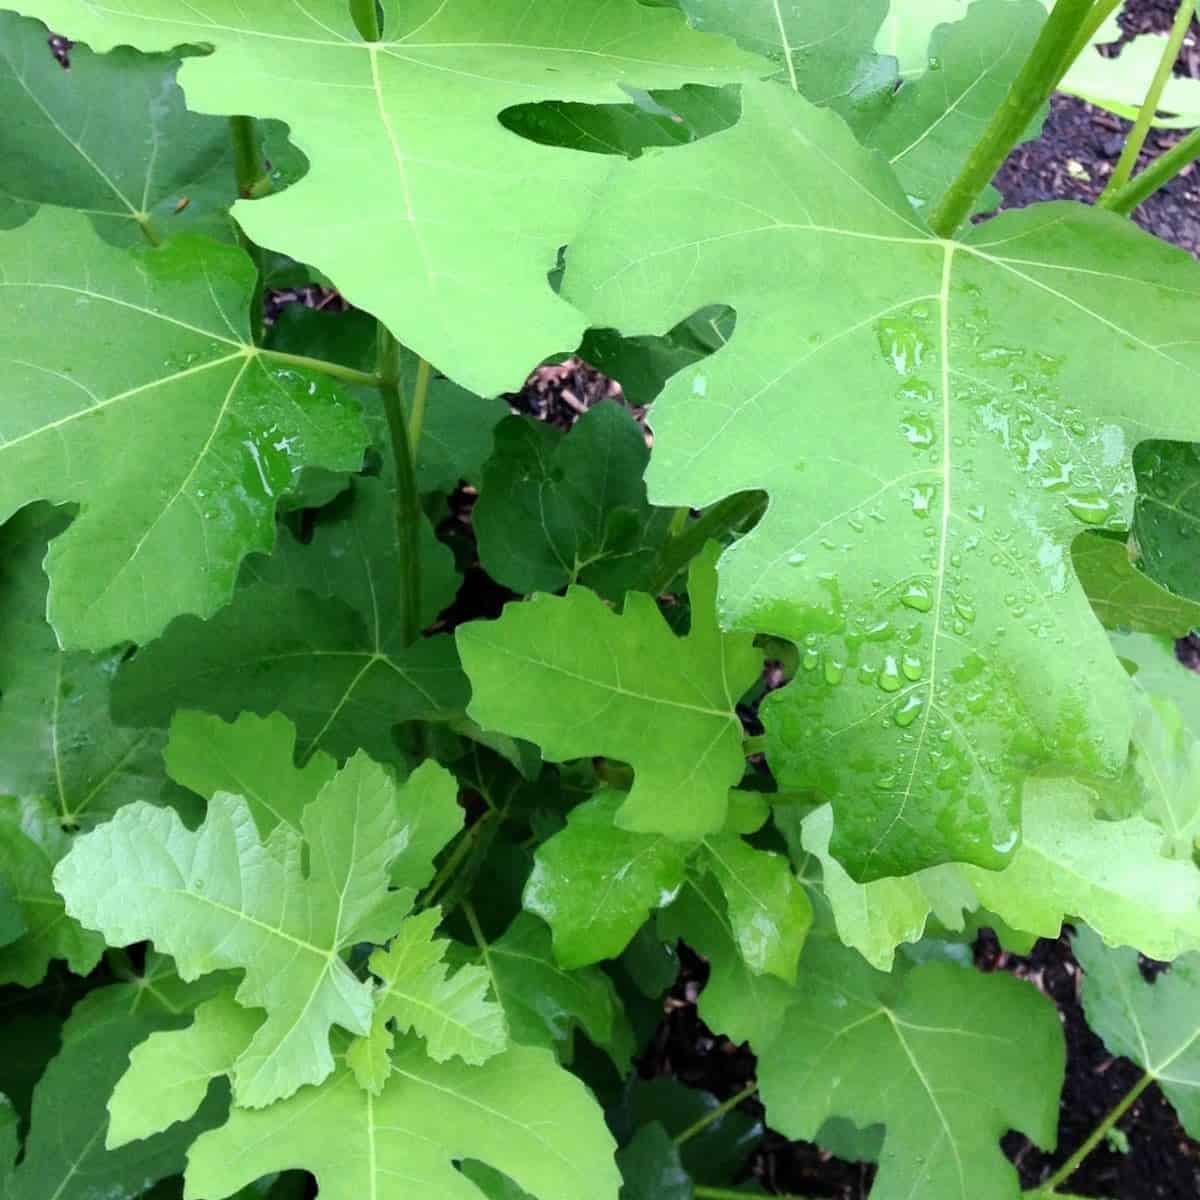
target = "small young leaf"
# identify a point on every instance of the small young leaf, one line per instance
(222, 431)
(545, 1004)
(579, 679)
(1122, 596)
(221, 897)
(252, 757)
(736, 1002)
(1156, 1025)
(1167, 515)
(547, 513)
(595, 883)
(451, 1013)
(902, 1052)
(768, 910)
(519, 1112)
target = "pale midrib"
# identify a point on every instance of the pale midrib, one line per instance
(785, 46)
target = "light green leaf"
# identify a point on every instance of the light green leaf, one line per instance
(736, 1002)
(1155, 1025)
(1166, 762)
(1122, 596)
(874, 918)
(450, 1013)
(161, 531)
(111, 137)
(1120, 84)
(768, 910)
(931, 125)
(823, 50)
(169, 1073)
(595, 883)
(1167, 516)
(221, 898)
(557, 509)
(427, 804)
(542, 1129)
(335, 664)
(65, 1155)
(58, 742)
(937, 1034)
(578, 679)
(920, 557)
(252, 757)
(908, 27)
(422, 108)
(1111, 874)
(31, 841)
(545, 1003)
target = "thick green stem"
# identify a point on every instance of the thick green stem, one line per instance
(248, 170)
(365, 14)
(333, 370)
(1145, 118)
(722, 518)
(416, 410)
(714, 1115)
(1159, 173)
(408, 499)
(1028, 92)
(1098, 1134)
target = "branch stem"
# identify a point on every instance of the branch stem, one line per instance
(1027, 93)
(365, 14)
(333, 370)
(1145, 118)
(1158, 174)
(714, 1115)
(1098, 1134)
(408, 500)
(416, 410)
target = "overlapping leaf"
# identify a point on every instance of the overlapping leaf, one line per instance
(558, 509)
(1155, 1025)
(64, 1153)
(335, 663)
(176, 449)
(934, 1034)
(58, 743)
(111, 137)
(542, 1129)
(579, 679)
(442, 186)
(544, 1004)
(1167, 517)
(451, 1013)
(919, 547)
(1125, 598)
(223, 898)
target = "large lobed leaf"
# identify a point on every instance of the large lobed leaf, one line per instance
(440, 184)
(919, 547)
(177, 448)
(222, 897)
